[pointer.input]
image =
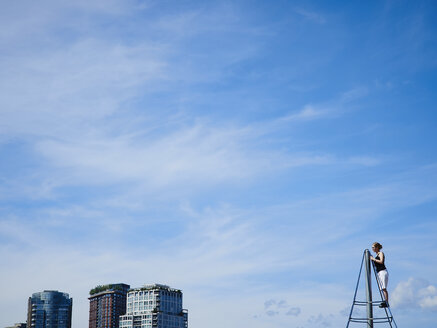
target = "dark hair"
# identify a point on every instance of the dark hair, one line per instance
(377, 245)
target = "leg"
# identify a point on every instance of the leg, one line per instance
(383, 280)
(385, 294)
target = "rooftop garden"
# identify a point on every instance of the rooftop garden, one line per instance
(102, 288)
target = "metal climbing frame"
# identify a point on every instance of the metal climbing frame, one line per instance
(369, 303)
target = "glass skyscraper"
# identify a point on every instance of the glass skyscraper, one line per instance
(154, 306)
(49, 309)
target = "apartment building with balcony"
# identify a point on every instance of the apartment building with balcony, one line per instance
(154, 306)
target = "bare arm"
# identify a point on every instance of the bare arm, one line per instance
(381, 258)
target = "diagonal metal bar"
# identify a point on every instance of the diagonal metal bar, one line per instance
(387, 309)
(356, 290)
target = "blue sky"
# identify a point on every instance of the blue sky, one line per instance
(246, 152)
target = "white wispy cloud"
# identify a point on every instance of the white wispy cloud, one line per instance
(354, 94)
(64, 93)
(332, 108)
(311, 15)
(307, 113)
(74, 109)
(186, 155)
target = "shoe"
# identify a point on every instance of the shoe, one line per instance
(383, 304)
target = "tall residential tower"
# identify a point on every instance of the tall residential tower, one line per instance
(107, 303)
(49, 309)
(154, 306)
(18, 325)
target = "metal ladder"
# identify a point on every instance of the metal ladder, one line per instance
(369, 303)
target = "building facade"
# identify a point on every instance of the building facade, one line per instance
(18, 325)
(49, 309)
(154, 306)
(107, 303)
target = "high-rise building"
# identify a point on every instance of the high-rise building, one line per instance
(154, 306)
(107, 303)
(18, 325)
(49, 309)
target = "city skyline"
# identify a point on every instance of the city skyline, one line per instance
(109, 303)
(246, 152)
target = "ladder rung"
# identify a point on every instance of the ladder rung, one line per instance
(376, 320)
(365, 303)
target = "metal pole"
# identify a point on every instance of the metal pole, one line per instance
(368, 289)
